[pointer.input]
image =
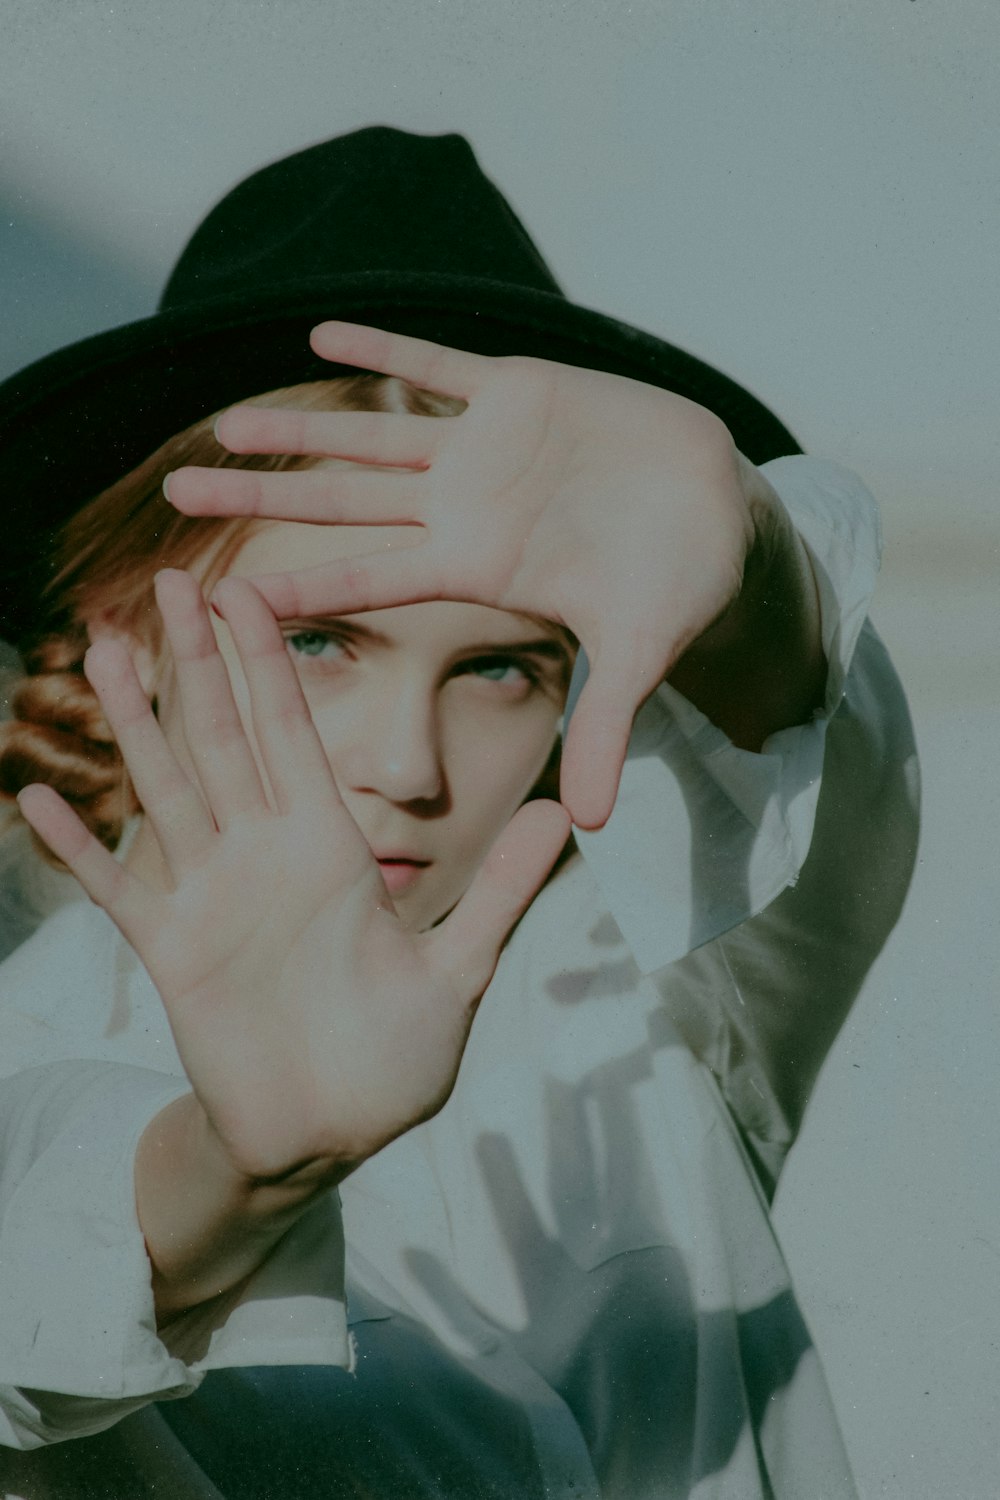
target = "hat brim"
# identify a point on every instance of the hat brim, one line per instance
(77, 420)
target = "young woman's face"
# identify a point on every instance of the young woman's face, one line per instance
(437, 718)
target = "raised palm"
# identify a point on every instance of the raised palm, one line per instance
(312, 1025)
(617, 509)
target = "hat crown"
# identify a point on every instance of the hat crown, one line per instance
(399, 231)
(377, 200)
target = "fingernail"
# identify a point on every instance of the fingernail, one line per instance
(166, 487)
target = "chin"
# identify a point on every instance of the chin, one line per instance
(413, 912)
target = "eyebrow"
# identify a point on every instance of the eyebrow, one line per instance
(544, 646)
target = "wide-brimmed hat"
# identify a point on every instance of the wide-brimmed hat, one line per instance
(401, 231)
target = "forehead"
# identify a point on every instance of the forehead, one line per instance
(280, 546)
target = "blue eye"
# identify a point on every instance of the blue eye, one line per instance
(315, 644)
(498, 671)
(502, 669)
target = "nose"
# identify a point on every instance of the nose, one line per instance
(395, 750)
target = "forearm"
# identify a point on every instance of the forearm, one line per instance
(206, 1225)
(760, 667)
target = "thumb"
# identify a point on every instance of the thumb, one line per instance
(595, 743)
(466, 946)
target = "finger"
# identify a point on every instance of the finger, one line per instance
(174, 806)
(294, 759)
(372, 497)
(596, 742)
(396, 439)
(352, 585)
(467, 945)
(213, 729)
(105, 880)
(431, 367)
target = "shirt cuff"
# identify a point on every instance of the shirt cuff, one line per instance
(79, 1345)
(704, 835)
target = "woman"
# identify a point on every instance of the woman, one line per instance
(560, 1277)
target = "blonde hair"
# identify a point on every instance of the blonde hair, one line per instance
(105, 559)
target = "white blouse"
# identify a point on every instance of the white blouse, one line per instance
(565, 1284)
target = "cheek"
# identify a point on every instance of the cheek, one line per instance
(492, 766)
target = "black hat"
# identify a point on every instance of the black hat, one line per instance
(400, 231)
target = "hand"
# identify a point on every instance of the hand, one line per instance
(617, 509)
(313, 1027)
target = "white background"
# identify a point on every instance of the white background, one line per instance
(809, 196)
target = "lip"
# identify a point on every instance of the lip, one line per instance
(399, 871)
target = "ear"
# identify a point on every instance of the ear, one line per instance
(103, 628)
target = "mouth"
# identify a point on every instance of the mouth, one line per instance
(399, 871)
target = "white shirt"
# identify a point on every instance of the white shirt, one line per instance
(566, 1283)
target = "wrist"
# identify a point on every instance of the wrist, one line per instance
(206, 1223)
(760, 667)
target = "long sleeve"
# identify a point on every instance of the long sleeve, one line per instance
(89, 1062)
(756, 890)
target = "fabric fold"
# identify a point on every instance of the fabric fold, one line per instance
(704, 835)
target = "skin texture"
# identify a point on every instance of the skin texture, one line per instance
(314, 1024)
(316, 1021)
(621, 511)
(436, 719)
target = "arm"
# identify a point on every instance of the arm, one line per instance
(207, 1226)
(313, 1027)
(760, 667)
(789, 976)
(79, 1348)
(785, 871)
